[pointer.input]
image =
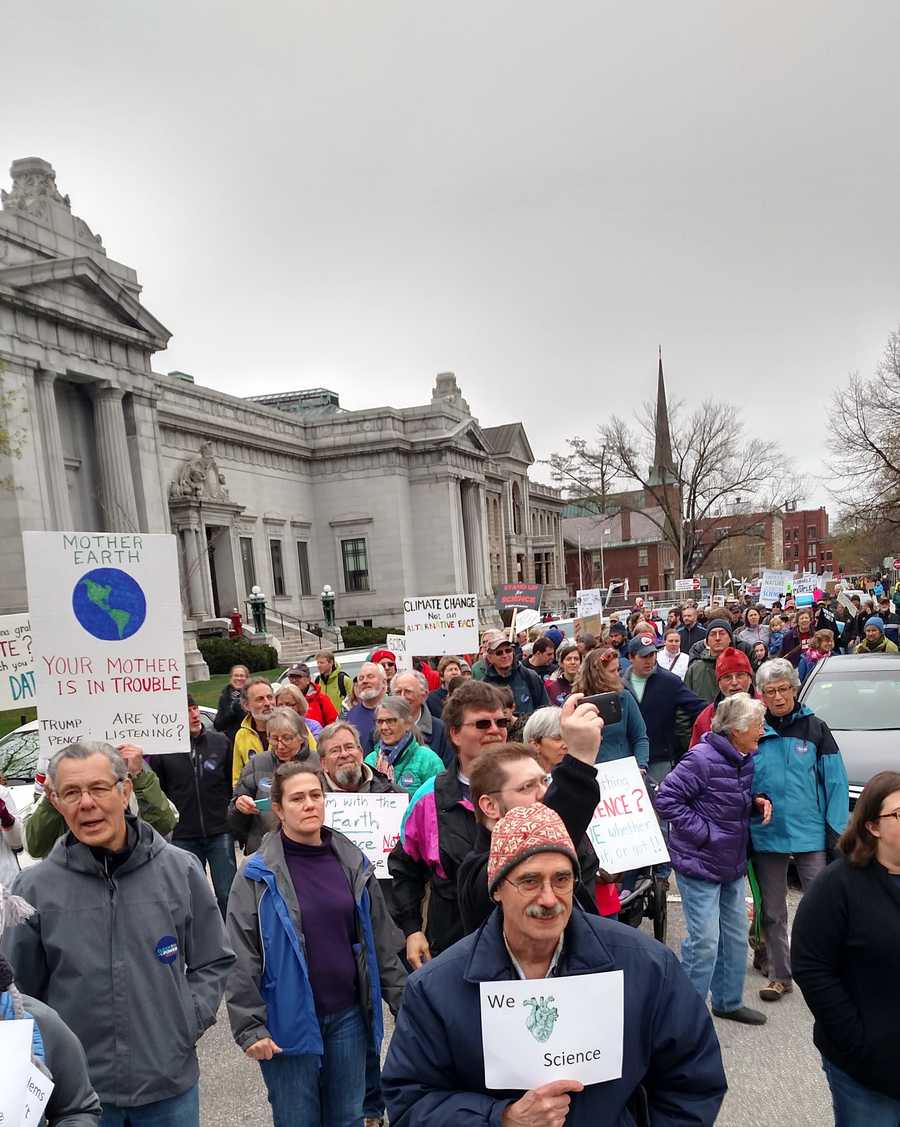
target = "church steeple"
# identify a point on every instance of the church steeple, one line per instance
(662, 471)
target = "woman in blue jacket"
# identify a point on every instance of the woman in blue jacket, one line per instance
(600, 674)
(799, 766)
(316, 952)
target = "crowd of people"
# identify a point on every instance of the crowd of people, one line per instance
(123, 948)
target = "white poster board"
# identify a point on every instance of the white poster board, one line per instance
(396, 643)
(688, 584)
(16, 662)
(541, 1029)
(107, 639)
(808, 584)
(441, 624)
(773, 586)
(624, 831)
(15, 1068)
(371, 821)
(589, 602)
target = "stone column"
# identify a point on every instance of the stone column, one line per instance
(192, 561)
(472, 537)
(117, 498)
(45, 393)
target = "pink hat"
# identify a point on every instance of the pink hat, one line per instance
(522, 832)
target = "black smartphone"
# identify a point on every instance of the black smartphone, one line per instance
(607, 704)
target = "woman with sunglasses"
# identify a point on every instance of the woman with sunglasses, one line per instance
(845, 951)
(398, 753)
(628, 736)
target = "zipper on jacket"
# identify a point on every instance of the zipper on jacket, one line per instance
(196, 764)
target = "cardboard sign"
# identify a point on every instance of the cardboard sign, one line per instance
(371, 821)
(521, 595)
(396, 643)
(15, 1068)
(441, 624)
(589, 603)
(624, 831)
(16, 662)
(541, 1029)
(107, 639)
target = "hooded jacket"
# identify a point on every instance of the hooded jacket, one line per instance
(269, 993)
(335, 686)
(703, 723)
(199, 784)
(148, 937)
(434, 1072)
(527, 687)
(799, 766)
(707, 801)
(247, 743)
(701, 673)
(665, 694)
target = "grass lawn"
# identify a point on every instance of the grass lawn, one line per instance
(204, 692)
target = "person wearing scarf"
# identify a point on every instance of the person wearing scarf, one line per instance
(875, 642)
(398, 754)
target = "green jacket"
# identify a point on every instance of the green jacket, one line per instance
(479, 669)
(415, 766)
(882, 646)
(336, 686)
(45, 823)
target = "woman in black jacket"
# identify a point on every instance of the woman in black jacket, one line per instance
(845, 953)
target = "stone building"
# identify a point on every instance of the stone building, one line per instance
(287, 491)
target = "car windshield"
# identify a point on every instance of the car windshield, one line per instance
(19, 756)
(856, 701)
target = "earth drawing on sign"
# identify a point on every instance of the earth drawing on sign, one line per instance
(109, 604)
(542, 1018)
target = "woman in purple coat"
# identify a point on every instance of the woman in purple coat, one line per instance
(708, 800)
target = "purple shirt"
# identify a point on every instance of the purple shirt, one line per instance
(328, 914)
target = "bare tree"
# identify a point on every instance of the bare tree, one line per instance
(713, 462)
(865, 455)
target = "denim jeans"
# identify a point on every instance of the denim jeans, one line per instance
(714, 954)
(178, 1111)
(217, 852)
(373, 1104)
(857, 1106)
(301, 1092)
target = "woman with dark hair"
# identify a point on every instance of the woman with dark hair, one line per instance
(798, 638)
(753, 630)
(845, 952)
(562, 684)
(599, 673)
(316, 952)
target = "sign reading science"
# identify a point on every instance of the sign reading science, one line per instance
(441, 624)
(107, 639)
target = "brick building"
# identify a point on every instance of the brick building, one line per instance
(807, 545)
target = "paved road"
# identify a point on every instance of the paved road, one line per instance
(774, 1075)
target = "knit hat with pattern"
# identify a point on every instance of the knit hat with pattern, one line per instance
(521, 833)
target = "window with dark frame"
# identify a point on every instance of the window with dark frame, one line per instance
(277, 568)
(356, 564)
(303, 564)
(248, 564)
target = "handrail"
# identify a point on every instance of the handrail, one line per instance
(312, 627)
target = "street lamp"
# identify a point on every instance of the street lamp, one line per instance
(327, 598)
(257, 601)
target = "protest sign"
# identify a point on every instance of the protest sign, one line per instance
(396, 643)
(589, 602)
(808, 584)
(16, 663)
(541, 1029)
(371, 821)
(773, 586)
(521, 595)
(107, 639)
(687, 584)
(38, 1090)
(15, 1067)
(525, 619)
(624, 831)
(441, 624)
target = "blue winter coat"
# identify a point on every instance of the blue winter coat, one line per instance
(628, 736)
(434, 1073)
(527, 687)
(707, 801)
(664, 694)
(799, 766)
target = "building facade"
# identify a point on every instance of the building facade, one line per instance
(288, 492)
(807, 545)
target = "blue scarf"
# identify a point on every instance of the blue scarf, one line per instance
(392, 752)
(7, 1013)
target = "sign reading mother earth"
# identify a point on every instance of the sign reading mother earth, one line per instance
(441, 624)
(107, 639)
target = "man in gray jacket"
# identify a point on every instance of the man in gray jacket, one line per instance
(127, 944)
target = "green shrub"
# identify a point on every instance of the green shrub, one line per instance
(356, 637)
(221, 653)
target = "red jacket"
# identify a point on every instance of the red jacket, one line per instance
(320, 707)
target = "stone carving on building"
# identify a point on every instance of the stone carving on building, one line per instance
(34, 189)
(200, 479)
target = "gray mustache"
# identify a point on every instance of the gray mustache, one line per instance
(539, 912)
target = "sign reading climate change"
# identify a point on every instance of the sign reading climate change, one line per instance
(107, 639)
(442, 624)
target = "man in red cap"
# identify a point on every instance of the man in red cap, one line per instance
(734, 674)
(435, 1068)
(388, 662)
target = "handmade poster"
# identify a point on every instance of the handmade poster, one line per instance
(589, 602)
(441, 624)
(541, 1029)
(38, 1090)
(371, 821)
(16, 662)
(624, 831)
(774, 585)
(396, 643)
(107, 639)
(525, 619)
(521, 595)
(15, 1068)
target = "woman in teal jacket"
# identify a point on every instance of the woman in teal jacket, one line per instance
(798, 766)
(600, 674)
(398, 754)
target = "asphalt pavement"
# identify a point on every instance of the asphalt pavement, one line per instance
(774, 1075)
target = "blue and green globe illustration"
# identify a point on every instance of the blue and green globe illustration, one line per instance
(109, 604)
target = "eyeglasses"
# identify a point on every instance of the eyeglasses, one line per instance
(280, 741)
(388, 721)
(776, 691)
(485, 724)
(99, 792)
(891, 814)
(528, 885)
(502, 651)
(540, 783)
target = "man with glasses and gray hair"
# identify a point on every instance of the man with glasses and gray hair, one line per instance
(127, 944)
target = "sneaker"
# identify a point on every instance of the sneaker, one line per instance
(775, 989)
(743, 1014)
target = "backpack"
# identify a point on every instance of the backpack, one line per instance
(342, 682)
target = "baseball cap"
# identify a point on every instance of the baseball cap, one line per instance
(642, 645)
(298, 669)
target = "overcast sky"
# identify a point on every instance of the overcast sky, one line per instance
(359, 195)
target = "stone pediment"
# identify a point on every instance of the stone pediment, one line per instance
(510, 441)
(81, 288)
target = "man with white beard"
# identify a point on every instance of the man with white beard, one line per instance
(370, 690)
(341, 756)
(258, 700)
